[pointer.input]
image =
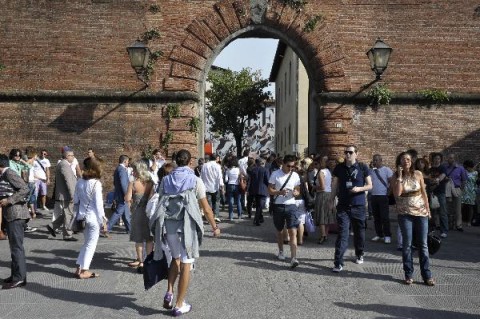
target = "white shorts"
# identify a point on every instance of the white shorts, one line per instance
(177, 250)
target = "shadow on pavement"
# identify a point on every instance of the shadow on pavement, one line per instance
(406, 312)
(102, 300)
(264, 261)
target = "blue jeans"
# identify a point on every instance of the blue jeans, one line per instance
(354, 215)
(212, 199)
(120, 212)
(442, 200)
(232, 193)
(418, 225)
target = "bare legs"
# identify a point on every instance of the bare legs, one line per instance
(292, 233)
(176, 267)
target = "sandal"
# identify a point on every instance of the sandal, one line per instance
(429, 282)
(87, 275)
(408, 281)
(134, 264)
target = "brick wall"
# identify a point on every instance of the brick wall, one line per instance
(111, 129)
(389, 130)
(80, 46)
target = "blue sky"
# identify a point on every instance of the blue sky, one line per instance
(256, 54)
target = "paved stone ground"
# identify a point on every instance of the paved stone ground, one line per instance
(238, 276)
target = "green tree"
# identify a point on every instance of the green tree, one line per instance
(233, 99)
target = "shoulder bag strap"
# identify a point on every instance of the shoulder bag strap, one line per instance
(41, 165)
(284, 184)
(380, 178)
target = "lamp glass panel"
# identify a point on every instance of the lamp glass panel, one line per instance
(137, 56)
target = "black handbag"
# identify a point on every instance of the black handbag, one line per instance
(154, 270)
(433, 242)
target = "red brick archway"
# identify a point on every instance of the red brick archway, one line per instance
(228, 20)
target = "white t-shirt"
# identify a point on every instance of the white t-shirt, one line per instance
(328, 180)
(38, 171)
(212, 176)
(231, 176)
(278, 178)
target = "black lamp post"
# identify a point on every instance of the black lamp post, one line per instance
(379, 55)
(139, 55)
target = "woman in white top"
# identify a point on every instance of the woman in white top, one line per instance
(88, 195)
(232, 179)
(324, 215)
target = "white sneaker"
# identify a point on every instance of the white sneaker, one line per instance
(443, 235)
(294, 263)
(377, 238)
(387, 240)
(45, 208)
(281, 256)
(359, 260)
(337, 269)
(185, 308)
(217, 220)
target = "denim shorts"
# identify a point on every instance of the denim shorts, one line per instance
(285, 215)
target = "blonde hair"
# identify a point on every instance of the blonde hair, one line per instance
(141, 169)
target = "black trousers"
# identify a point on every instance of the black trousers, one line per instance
(15, 231)
(381, 215)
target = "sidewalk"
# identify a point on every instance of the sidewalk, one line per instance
(238, 276)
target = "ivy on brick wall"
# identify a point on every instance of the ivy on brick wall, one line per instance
(167, 139)
(154, 8)
(194, 124)
(311, 23)
(380, 94)
(2, 67)
(297, 5)
(173, 110)
(149, 35)
(154, 56)
(148, 152)
(435, 96)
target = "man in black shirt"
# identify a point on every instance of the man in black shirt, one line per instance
(350, 181)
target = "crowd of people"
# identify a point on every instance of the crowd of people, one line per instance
(340, 193)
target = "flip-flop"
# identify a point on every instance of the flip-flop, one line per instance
(92, 275)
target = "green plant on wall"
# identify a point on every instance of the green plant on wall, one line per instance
(173, 110)
(435, 96)
(380, 94)
(311, 24)
(148, 152)
(167, 139)
(297, 5)
(151, 62)
(194, 124)
(149, 35)
(2, 67)
(154, 8)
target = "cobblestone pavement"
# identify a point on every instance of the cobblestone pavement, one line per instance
(238, 276)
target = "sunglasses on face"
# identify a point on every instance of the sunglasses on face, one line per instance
(349, 152)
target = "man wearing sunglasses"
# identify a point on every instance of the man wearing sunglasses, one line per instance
(284, 186)
(351, 179)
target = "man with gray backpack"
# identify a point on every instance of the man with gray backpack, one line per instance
(177, 221)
